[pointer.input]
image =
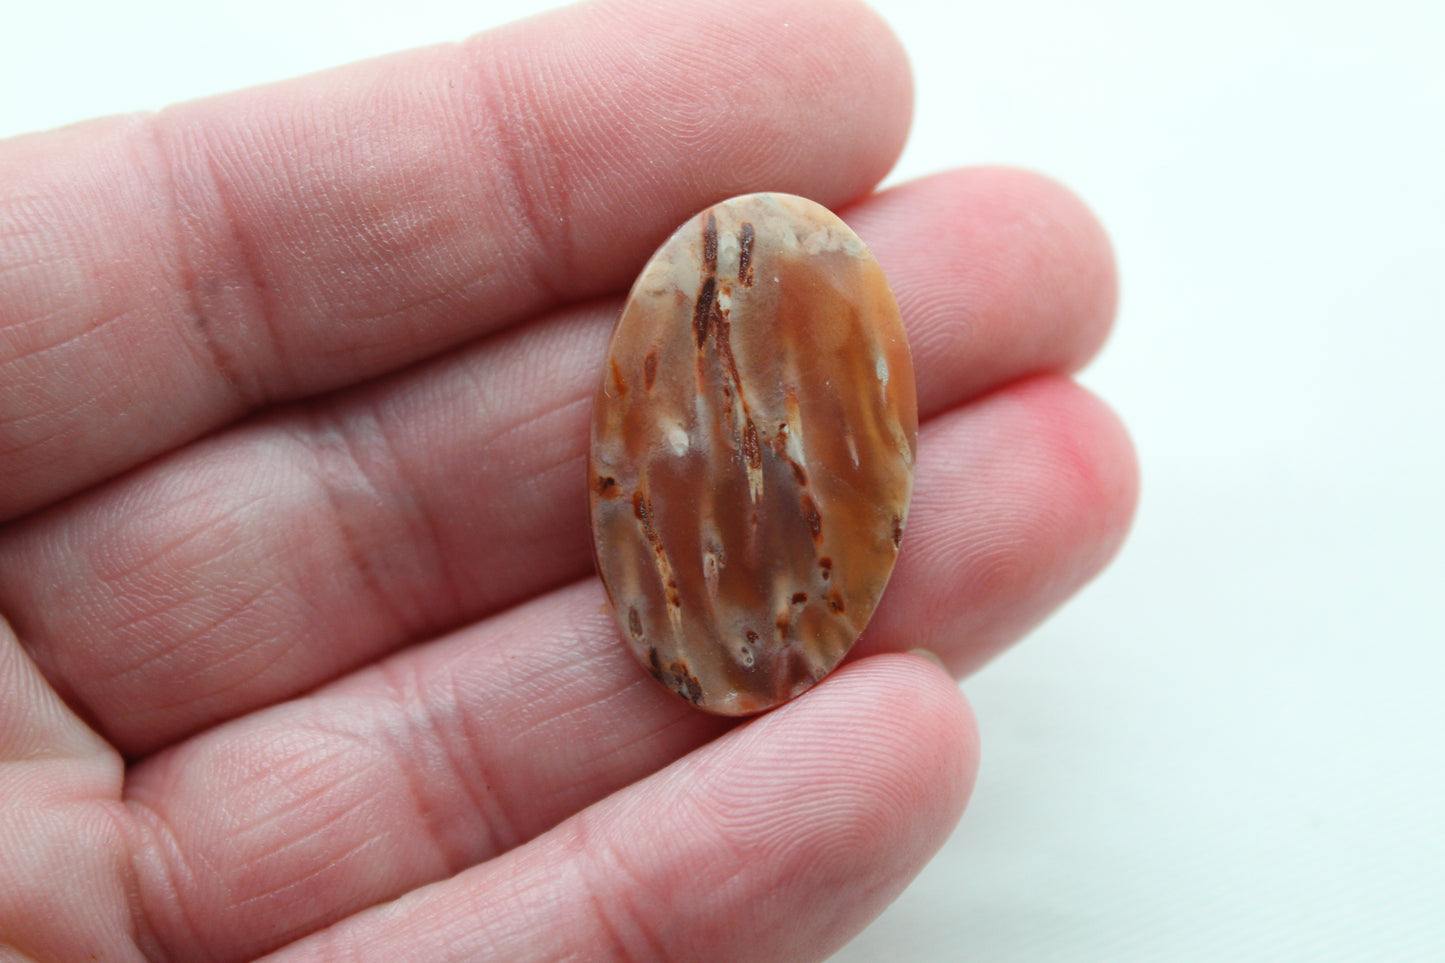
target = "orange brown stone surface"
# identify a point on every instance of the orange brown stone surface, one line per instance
(753, 443)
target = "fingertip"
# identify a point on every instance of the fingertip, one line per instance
(831, 70)
(1074, 238)
(999, 273)
(1055, 229)
(836, 801)
(1021, 498)
(1092, 463)
(1118, 477)
(894, 735)
(811, 97)
(877, 67)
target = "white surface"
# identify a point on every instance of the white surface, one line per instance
(1230, 747)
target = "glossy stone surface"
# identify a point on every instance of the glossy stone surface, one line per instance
(753, 443)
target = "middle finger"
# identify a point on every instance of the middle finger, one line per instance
(261, 563)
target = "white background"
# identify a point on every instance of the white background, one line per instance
(1231, 746)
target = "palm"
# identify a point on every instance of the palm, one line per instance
(292, 452)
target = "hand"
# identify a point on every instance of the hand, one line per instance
(307, 655)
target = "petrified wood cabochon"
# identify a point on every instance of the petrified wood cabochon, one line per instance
(753, 443)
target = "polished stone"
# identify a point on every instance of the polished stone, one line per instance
(753, 444)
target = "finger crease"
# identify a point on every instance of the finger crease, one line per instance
(481, 791)
(367, 452)
(516, 143)
(628, 936)
(222, 359)
(412, 693)
(159, 842)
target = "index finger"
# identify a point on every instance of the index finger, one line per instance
(165, 274)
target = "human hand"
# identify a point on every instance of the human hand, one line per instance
(294, 387)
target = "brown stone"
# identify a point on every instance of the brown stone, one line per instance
(753, 443)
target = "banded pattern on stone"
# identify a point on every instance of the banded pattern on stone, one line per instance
(753, 443)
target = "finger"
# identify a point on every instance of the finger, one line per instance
(779, 841)
(453, 752)
(166, 274)
(187, 594)
(999, 274)
(34, 723)
(57, 783)
(1048, 479)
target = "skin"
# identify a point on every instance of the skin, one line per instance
(302, 651)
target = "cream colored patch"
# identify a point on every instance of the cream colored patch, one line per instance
(677, 440)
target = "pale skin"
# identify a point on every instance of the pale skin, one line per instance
(302, 652)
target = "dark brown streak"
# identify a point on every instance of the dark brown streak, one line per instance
(685, 683)
(643, 511)
(722, 338)
(723, 333)
(811, 516)
(703, 310)
(642, 508)
(649, 369)
(745, 256)
(751, 450)
(709, 243)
